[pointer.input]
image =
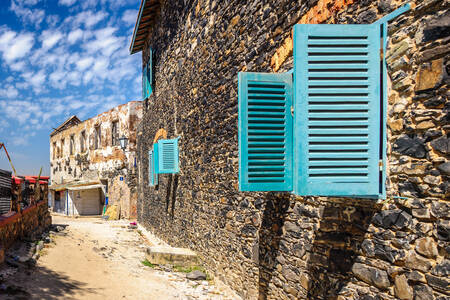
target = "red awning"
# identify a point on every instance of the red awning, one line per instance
(30, 179)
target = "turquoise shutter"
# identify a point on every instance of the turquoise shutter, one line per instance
(337, 110)
(168, 156)
(265, 132)
(151, 173)
(147, 74)
(150, 73)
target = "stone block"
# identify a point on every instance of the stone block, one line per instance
(397, 51)
(430, 75)
(427, 247)
(402, 289)
(441, 144)
(441, 284)
(444, 168)
(417, 262)
(423, 292)
(434, 52)
(396, 125)
(410, 146)
(416, 276)
(421, 213)
(433, 28)
(371, 275)
(442, 231)
(442, 269)
(161, 255)
(425, 125)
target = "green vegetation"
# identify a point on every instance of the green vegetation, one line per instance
(148, 264)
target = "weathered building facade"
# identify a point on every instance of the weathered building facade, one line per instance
(277, 245)
(89, 169)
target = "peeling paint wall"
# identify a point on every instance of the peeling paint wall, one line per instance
(108, 163)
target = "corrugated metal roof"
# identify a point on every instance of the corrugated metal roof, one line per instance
(146, 17)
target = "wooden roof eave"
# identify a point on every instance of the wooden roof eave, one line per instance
(146, 17)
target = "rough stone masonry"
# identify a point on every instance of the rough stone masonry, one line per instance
(275, 245)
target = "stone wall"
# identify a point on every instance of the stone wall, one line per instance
(275, 245)
(108, 162)
(15, 226)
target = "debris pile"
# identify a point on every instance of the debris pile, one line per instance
(23, 256)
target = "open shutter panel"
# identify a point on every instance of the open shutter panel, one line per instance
(150, 73)
(150, 168)
(265, 132)
(337, 126)
(168, 156)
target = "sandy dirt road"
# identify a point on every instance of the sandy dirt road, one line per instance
(97, 259)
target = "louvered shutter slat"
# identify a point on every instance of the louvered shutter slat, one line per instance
(333, 59)
(168, 156)
(337, 71)
(265, 132)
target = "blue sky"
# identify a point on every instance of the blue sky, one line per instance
(60, 58)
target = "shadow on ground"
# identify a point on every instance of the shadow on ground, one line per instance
(42, 283)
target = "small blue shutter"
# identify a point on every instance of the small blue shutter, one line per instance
(337, 110)
(265, 132)
(147, 77)
(155, 161)
(150, 73)
(151, 172)
(168, 156)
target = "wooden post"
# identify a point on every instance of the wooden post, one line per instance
(16, 190)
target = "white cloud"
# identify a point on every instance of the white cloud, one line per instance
(89, 3)
(20, 140)
(20, 46)
(28, 15)
(57, 79)
(100, 66)
(130, 16)
(74, 78)
(52, 20)
(18, 66)
(30, 2)
(88, 76)
(89, 18)
(75, 35)
(9, 92)
(49, 38)
(105, 41)
(15, 45)
(66, 2)
(3, 124)
(84, 63)
(38, 79)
